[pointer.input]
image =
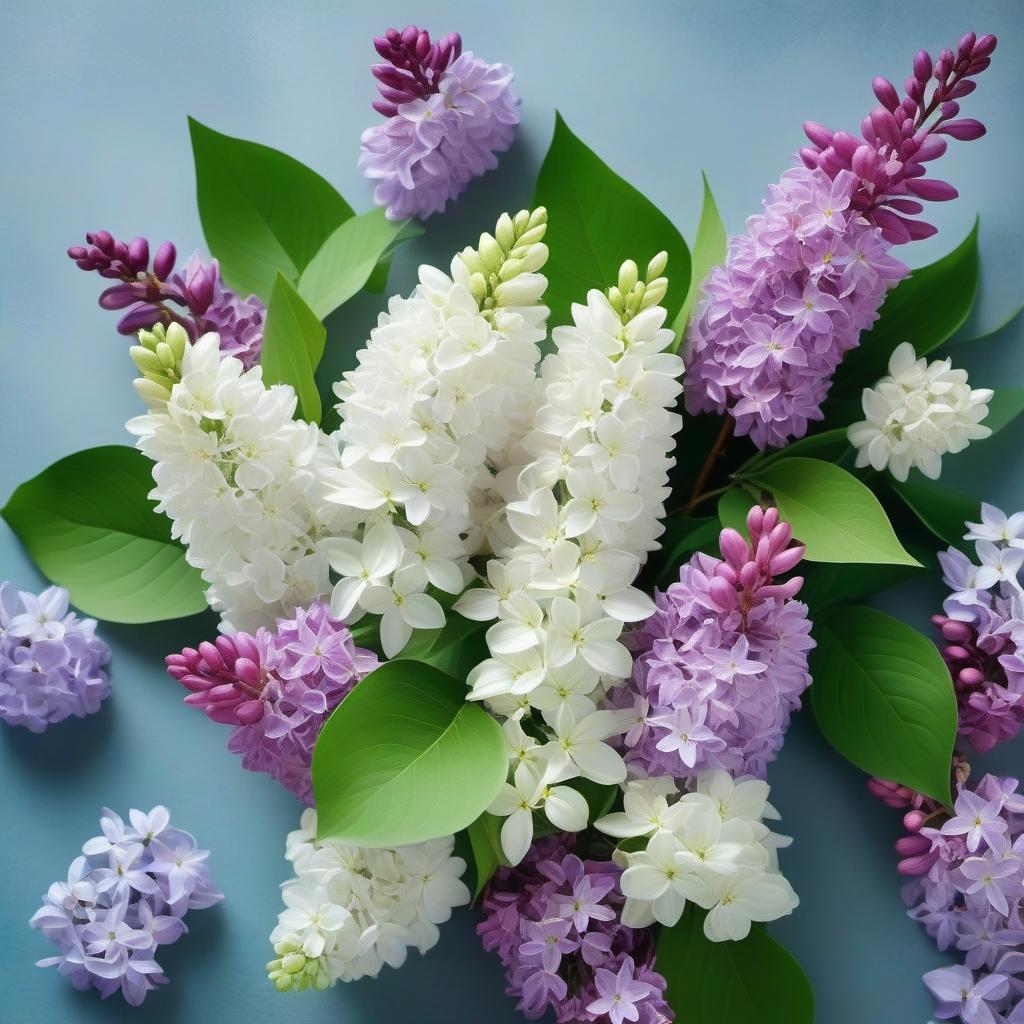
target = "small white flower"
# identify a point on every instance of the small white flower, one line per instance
(661, 876)
(403, 607)
(362, 565)
(581, 742)
(595, 642)
(746, 896)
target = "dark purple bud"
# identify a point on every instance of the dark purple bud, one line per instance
(885, 126)
(818, 134)
(909, 206)
(922, 66)
(932, 189)
(387, 109)
(931, 148)
(865, 162)
(163, 262)
(78, 252)
(984, 46)
(138, 254)
(830, 163)
(920, 229)
(962, 88)
(809, 157)
(394, 36)
(978, 65)
(967, 129)
(886, 93)
(409, 35)
(893, 227)
(422, 44)
(914, 89)
(966, 45)
(944, 65)
(908, 107)
(383, 47)
(845, 146)
(949, 109)
(119, 297)
(140, 317)
(867, 129)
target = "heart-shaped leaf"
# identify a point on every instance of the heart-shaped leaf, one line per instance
(942, 509)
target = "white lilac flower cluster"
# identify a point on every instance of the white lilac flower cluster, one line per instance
(352, 910)
(582, 511)
(709, 846)
(916, 414)
(240, 479)
(124, 897)
(442, 393)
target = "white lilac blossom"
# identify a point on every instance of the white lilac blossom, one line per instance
(709, 846)
(442, 393)
(448, 114)
(916, 414)
(51, 661)
(124, 897)
(349, 911)
(583, 510)
(241, 481)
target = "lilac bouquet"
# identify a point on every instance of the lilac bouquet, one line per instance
(126, 896)
(518, 620)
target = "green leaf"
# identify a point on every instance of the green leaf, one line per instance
(405, 758)
(596, 221)
(262, 210)
(89, 525)
(926, 309)
(1006, 405)
(683, 535)
(458, 646)
(828, 445)
(293, 343)
(942, 509)
(828, 584)
(754, 981)
(485, 850)
(709, 249)
(346, 261)
(992, 332)
(831, 511)
(733, 507)
(883, 697)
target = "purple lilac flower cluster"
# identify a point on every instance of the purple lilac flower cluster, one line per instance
(126, 896)
(276, 688)
(898, 139)
(194, 296)
(967, 890)
(721, 664)
(791, 300)
(983, 628)
(554, 922)
(448, 114)
(814, 267)
(51, 661)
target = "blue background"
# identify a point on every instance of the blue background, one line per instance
(94, 105)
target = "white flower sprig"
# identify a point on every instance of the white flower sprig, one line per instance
(443, 389)
(582, 512)
(916, 414)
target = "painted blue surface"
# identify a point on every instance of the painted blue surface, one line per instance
(95, 99)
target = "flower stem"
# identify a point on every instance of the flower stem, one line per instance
(697, 494)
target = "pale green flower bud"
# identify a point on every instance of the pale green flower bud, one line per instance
(628, 276)
(657, 266)
(505, 233)
(491, 253)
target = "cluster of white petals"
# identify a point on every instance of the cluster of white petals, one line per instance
(709, 846)
(916, 414)
(351, 910)
(581, 511)
(241, 481)
(443, 392)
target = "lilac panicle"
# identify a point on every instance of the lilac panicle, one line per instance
(901, 135)
(276, 688)
(448, 114)
(724, 656)
(194, 296)
(51, 661)
(554, 921)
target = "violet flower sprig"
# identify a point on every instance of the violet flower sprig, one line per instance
(899, 139)
(152, 293)
(414, 65)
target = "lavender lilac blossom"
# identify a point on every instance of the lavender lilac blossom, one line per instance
(448, 114)
(155, 293)
(51, 661)
(721, 664)
(554, 921)
(812, 270)
(126, 896)
(276, 688)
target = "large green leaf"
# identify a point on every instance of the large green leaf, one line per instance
(828, 445)
(883, 697)
(754, 981)
(733, 507)
(88, 524)
(831, 511)
(926, 309)
(1006, 405)
(827, 584)
(942, 509)
(709, 249)
(406, 758)
(347, 259)
(262, 210)
(458, 646)
(293, 343)
(596, 221)
(485, 853)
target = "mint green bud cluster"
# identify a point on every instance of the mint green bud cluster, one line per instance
(631, 295)
(293, 971)
(159, 355)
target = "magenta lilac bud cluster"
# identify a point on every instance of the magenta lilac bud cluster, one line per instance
(155, 293)
(276, 688)
(720, 666)
(554, 923)
(899, 139)
(448, 114)
(51, 661)
(126, 896)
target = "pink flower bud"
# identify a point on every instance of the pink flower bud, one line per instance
(886, 93)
